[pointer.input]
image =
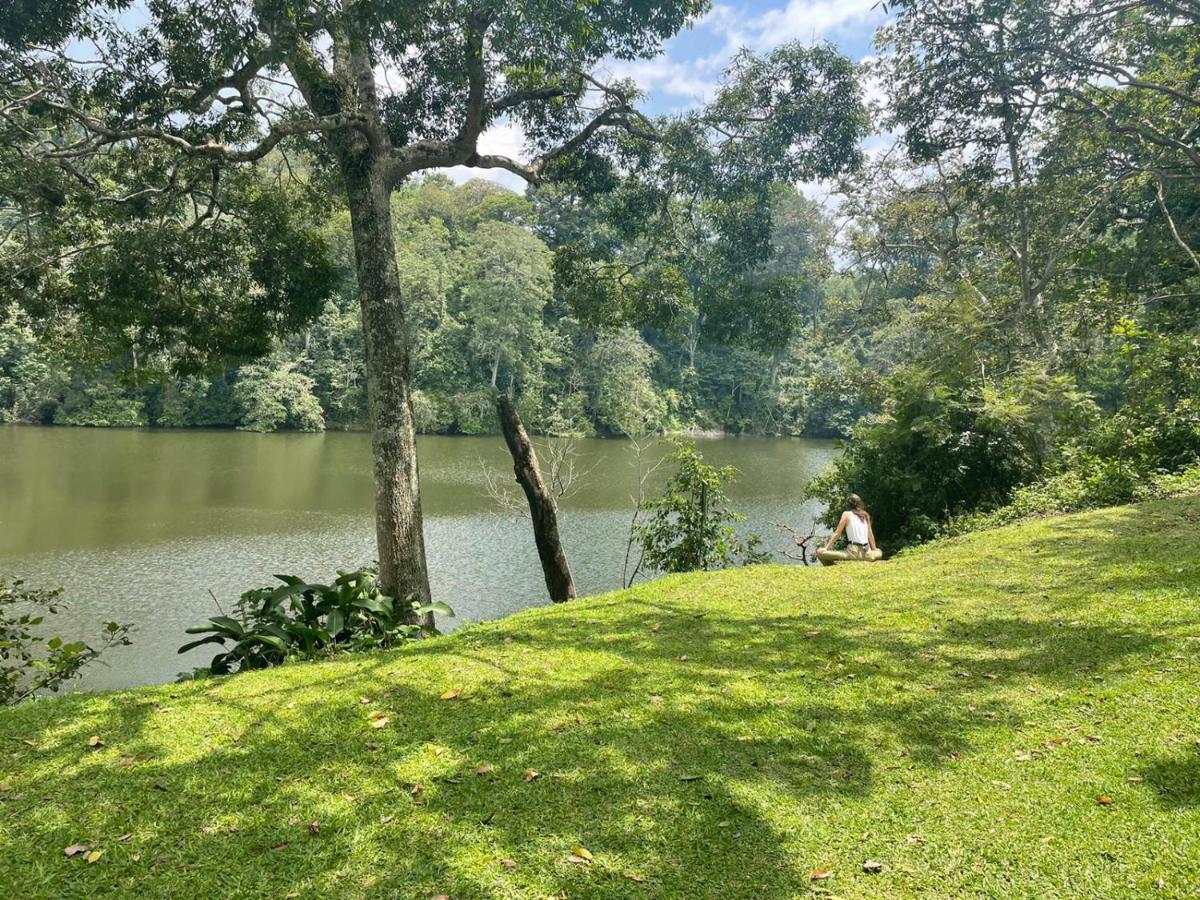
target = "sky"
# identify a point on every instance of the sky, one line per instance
(686, 73)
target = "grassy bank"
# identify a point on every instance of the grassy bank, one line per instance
(1009, 714)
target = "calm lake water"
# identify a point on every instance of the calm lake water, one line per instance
(138, 526)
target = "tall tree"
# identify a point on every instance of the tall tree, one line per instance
(509, 282)
(381, 90)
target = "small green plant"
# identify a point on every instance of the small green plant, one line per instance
(297, 619)
(30, 662)
(690, 525)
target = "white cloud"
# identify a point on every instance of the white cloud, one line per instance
(506, 139)
(694, 80)
(807, 20)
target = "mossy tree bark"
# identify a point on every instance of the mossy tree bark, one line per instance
(402, 564)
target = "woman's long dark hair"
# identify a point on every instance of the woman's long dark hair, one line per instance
(856, 504)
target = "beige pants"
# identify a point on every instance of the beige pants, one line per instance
(853, 552)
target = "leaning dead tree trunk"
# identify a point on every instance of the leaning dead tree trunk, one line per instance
(542, 509)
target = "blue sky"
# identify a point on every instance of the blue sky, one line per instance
(693, 60)
(685, 74)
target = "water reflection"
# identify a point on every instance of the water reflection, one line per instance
(140, 525)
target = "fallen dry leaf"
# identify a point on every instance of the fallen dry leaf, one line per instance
(376, 714)
(450, 695)
(508, 863)
(29, 743)
(387, 820)
(380, 722)
(371, 745)
(583, 853)
(125, 838)
(94, 856)
(657, 627)
(314, 827)
(872, 867)
(1104, 800)
(74, 850)
(683, 658)
(634, 876)
(530, 775)
(279, 847)
(137, 857)
(95, 741)
(442, 897)
(485, 769)
(821, 874)
(1136, 779)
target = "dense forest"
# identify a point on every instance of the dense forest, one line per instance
(1000, 296)
(477, 261)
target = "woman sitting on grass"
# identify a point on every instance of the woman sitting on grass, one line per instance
(860, 537)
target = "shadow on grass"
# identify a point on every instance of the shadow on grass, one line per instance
(655, 771)
(673, 741)
(1176, 779)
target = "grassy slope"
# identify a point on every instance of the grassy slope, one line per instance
(953, 715)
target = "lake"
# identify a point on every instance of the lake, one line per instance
(138, 525)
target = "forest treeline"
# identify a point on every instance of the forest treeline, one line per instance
(477, 262)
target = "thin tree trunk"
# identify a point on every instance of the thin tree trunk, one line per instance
(403, 571)
(542, 509)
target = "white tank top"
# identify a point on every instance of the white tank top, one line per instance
(856, 530)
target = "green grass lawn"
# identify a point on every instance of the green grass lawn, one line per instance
(1010, 714)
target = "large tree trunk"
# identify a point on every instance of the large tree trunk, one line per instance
(398, 526)
(542, 510)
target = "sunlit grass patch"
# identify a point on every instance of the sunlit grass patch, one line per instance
(1008, 714)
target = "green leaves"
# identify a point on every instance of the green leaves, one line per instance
(31, 663)
(691, 522)
(299, 619)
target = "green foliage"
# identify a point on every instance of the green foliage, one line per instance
(29, 373)
(940, 449)
(273, 397)
(194, 401)
(30, 662)
(299, 620)
(99, 403)
(690, 525)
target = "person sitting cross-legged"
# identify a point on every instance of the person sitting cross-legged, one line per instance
(860, 537)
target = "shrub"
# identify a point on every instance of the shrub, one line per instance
(1089, 483)
(940, 451)
(475, 412)
(31, 663)
(691, 523)
(273, 397)
(302, 620)
(100, 404)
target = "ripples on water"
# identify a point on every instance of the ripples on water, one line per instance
(138, 525)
